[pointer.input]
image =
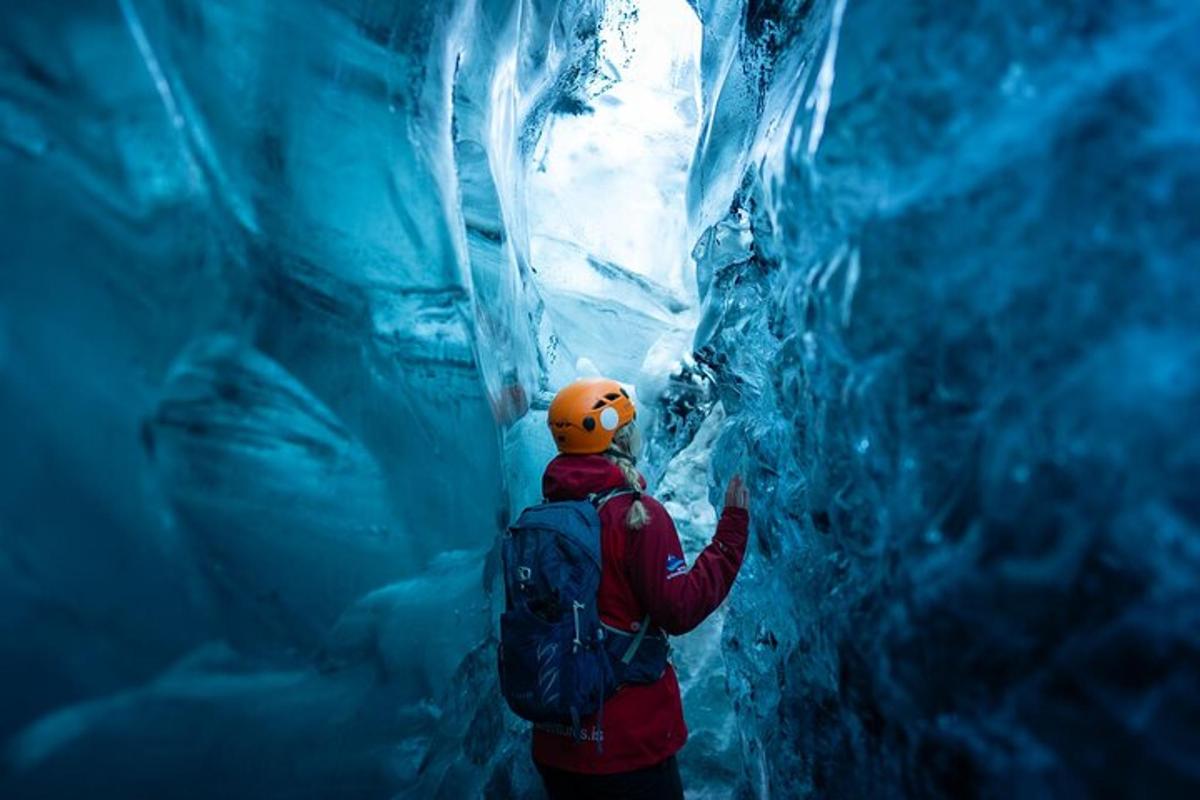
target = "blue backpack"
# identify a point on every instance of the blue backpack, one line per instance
(558, 662)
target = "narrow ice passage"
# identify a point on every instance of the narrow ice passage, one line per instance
(286, 289)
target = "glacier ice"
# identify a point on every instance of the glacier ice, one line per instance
(287, 287)
(958, 354)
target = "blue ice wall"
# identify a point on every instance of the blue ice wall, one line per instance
(953, 314)
(274, 358)
(262, 320)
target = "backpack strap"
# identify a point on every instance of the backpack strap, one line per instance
(598, 499)
(637, 641)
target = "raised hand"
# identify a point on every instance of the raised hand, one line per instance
(736, 494)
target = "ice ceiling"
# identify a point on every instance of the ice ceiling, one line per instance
(286, 288)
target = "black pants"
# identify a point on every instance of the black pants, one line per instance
(659, 782)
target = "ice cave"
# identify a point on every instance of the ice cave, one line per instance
(287, 287)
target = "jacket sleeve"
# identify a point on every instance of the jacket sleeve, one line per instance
(678, 598)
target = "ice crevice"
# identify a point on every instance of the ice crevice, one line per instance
(288, 288)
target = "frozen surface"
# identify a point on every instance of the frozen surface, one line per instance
(606, 201)
(286, 287)
(952, 318)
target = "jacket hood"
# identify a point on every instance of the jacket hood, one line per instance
(575, 477)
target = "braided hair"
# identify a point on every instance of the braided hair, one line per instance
(621, 454)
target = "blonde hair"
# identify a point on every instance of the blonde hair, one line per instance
(621, 454)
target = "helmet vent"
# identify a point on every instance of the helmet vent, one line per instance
(599, 404)
(612, 396)
(589, 423)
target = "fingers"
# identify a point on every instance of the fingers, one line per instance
(737, 495)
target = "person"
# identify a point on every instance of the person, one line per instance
(644, 580)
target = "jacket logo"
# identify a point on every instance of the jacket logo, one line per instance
(676, 566)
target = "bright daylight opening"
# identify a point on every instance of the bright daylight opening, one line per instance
(607, 196)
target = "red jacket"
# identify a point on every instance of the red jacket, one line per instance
(643, 573)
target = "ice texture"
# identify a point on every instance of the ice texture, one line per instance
(265, 317)
(287, 287)
(952, 318)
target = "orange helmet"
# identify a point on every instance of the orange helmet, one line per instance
(585, 414)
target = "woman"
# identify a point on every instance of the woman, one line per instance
(646, 588)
